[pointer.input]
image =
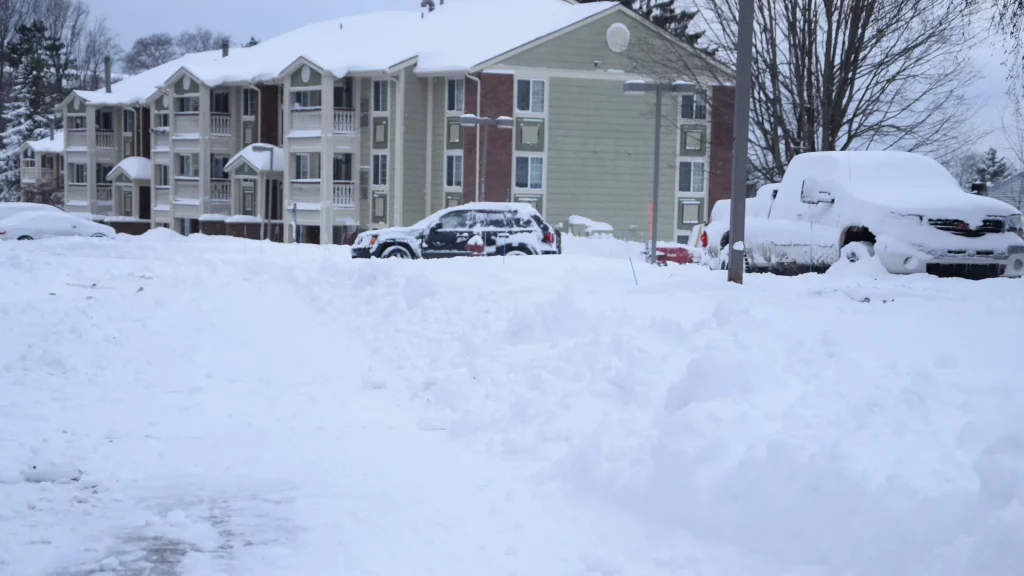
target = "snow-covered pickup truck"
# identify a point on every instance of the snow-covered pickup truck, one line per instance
(904, 208)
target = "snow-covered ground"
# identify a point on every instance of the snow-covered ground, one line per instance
(215, 407)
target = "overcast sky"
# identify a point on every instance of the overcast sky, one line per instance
(268, 18)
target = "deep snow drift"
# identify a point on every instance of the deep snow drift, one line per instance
(209, 406)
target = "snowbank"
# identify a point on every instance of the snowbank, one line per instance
(581, 225)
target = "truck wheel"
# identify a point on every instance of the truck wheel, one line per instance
(399, 252)
(857, 251)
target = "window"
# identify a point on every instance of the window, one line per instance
(529, 133)
(343, 94)
(694, 106)
(342, 167)
(126, 200)
(48, 161)
(76, 122)
(379, 169)
(77, 174)
(693, 140)
(307, 166)
(691, 213)
(246, 135)
(162, 175)
(128, 121)
(163, 120)
(530, 172)
(250, 101)
(186, 105)
(102, 171)
(451, 200)
(454, 135)
(104, 120)
(455, 220)
(456, 95)
(221, 103)
(453, 171)
(691, 177)
(530, 96)
(380, 95)
(248, 198)
(302, 99)
(29, 159)
(188, 166)
(380, 207)
(217, 164)
(380, 132)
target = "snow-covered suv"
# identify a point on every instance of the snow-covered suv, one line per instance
(904, 208)
(479, 228)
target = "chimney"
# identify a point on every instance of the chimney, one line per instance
(106, 73)
(224, 48)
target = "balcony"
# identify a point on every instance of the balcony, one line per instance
(105, 139)
(28, 174)
(104, 194)
(47, 174)
(186, 124)
(77, 195)
(161, 139)
(344, 121)
(186, 191)
(220, 125)
(220, 191)
(307, 192)
(344, 195)
(163, 198)
(77, 139)
(305, 120)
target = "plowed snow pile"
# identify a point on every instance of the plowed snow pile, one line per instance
(208, 407)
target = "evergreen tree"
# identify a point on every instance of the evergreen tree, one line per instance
(29, 107)
(252, 42)
(992, 167)
(666, 15)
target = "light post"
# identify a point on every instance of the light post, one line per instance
(643, 87)
(265, 217)
(740, 135)
(472, 120)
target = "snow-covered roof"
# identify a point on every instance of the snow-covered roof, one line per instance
(48, 145)
(259, 160)
(135, 167)
(457, 36)
(1010, 190)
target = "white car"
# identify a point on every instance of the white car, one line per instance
(904, 208)
(35, 224)
(8, 209)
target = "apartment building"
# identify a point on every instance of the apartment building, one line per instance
(42, 168)
(354, 123)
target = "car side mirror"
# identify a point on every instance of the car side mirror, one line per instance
(436, 226)
(812, 192)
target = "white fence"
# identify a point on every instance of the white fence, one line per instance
(220, 191)
(308, 192)
(305, 119)
(344, 121)
(220, 125)
(186, 189)
(104, 139)
(344, 194)
(188, 124)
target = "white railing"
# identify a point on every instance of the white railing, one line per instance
(220, 125)
(221, 208)
(104, 139)
(47, 174)
(104, 193)
(308, 192)
(306, 119)
(220, 191)
(161, 140)
(344, 121)
(163, 197)
(28, 174)
(186, 124)
(344, 194)
(78, 193)
(186, 189)
(77, 139)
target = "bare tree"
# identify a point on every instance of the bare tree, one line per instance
(149, 52)
(200, 40)
(1008, 17)
(97, 43)
(853, 74)
(1013, 131)
(964, 166)
(66, 22)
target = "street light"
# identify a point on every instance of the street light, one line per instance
(472, 120)
(643, 87)
(265, 217)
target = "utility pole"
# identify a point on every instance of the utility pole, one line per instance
(740, 135)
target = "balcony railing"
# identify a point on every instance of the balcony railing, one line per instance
(308, 192)
(77, 139)
(344, 194)
(47, 174)
(104, 194)
(104, 139)
(306, 119)
(220, 125)
(78, 194)
(186, 124)
(186, 189)
(28, 174)
(344, 121)
(163, 198)
(161, 139)
(220, 191)
(222, 208)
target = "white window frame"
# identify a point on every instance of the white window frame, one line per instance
(459, 84)
(532, 109)
(72, 170)
(255, 101)
(300, 92)
(700, 201)
(193, 169)
(702, 181)
(312, 167)
(375, 171)
(454, 157)
(700, 142)
(161, 175)
(383, 107)
(162, 120)
(125, 113)
(700, 102)
(74, 119)
(529, 175)
(194, 97)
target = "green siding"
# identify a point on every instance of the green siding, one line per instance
(600, 156)
(414, 151)
(158, 104)
(123, 178)
(315, 78)
(703, 130)
(73, 110)
(244, 169)
(439, 138)
(179, 86)
(579, 48)
(529, 122)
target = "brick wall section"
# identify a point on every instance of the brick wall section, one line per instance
(144, 126)
(498, 91)
(720, 172)
(267, 121)
(468, 147)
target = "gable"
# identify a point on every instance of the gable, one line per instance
(186, 84)
(76, 105)
(243, 168)
(593, 41)
(305, 76)
(122, 177)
